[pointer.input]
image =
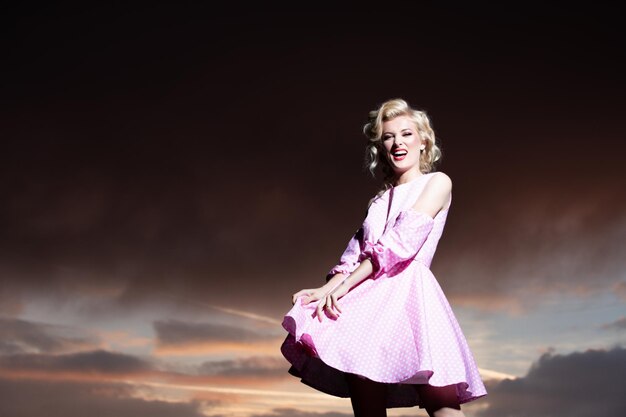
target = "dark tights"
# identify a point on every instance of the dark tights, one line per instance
(369, 398)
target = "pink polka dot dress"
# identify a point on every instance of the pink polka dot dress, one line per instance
(396, 326)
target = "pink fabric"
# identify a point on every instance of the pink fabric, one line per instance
(400, 243)
(397, 326)
(349, 260)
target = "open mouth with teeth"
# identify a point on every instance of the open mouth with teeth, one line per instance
(399, 154)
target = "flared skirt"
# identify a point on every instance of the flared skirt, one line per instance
(398, 330)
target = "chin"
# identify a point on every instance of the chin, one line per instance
(403, 166)
(399, 170)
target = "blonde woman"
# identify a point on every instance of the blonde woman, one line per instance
(381, 330)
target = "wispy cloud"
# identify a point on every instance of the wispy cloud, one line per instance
(22, 336)
(245, 391)
(98, 362)
(489, 374)
(248, 315)
(252, 367)
(175, 336)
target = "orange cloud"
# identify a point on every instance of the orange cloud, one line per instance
(489, 302)
(214, 348)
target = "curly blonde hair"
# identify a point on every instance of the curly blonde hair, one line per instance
(373, 131)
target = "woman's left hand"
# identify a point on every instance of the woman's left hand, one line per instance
(329, 303)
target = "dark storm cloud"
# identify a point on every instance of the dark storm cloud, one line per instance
(24, 398)
(172, 333)
(21, 336)
(95, 362)
(581, 384)
(177, 150)
(10, 299)
(253, 367)
(534, 239)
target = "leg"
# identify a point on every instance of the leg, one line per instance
(440, 401)
(369, 398)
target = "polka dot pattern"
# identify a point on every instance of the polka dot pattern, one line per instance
(397, 328)
(400, 243)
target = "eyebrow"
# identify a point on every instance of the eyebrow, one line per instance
(387, 132)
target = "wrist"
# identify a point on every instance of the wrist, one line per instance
(346, 283)
(330, 284)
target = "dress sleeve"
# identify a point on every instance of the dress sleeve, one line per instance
(349, 260)
(400, 242)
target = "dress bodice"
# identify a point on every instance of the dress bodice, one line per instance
(385, 209)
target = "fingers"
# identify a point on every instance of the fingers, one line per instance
(335, 304)
(321, 308)
(300, 293)
(328, 306)
(333, 307)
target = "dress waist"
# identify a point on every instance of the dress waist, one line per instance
(424, 261)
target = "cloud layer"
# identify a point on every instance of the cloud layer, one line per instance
(581, 384)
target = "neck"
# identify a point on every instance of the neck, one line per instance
(407, 176)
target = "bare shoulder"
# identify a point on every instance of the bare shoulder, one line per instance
(440, 183)
(436, 194)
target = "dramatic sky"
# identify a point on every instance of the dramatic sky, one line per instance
(170, 175)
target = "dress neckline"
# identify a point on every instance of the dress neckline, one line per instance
(414, 180)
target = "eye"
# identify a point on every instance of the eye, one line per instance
(386, 137)
(407, 134)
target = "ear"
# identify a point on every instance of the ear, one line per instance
(422, 143)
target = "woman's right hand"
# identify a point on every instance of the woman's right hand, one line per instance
(310, 295)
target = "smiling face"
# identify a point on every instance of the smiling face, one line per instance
(402, 144)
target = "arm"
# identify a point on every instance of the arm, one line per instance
(436, 195)
(349, 259)
(341, 288)
(411, 229)
(348, 262)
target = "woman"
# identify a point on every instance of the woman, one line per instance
(381, 331)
